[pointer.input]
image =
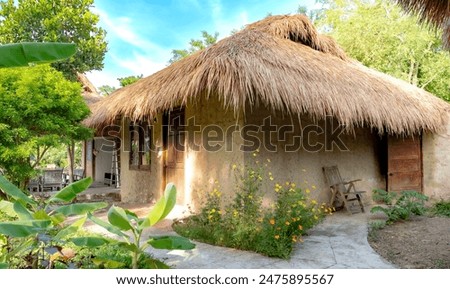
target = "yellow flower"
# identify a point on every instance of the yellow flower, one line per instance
(307, 191)
(314, 202)
(293, 185)
(268, 160)
(300, 227)
(272, 221)
(294, 239)
(254, 154)
(234, 167)
(287, 183)
(250, 196)
(313, 187)
(287, 223)
(316, 218)
(271, 178)
(277, 237)
(277, 190)
(213, 211)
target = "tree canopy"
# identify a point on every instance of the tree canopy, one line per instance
(40, 109)
(194, 45)
(124, 81)
(381, 36)
(69, 21)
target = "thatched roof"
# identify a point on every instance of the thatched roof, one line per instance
(436, 12)
(89, 92)
(282, 63)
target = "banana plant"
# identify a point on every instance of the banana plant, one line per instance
(129, 227)
(38, 226)
(25, 53)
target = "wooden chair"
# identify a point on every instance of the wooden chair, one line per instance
(344, 190)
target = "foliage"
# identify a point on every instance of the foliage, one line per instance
(40, 109)
(399, 206)
(106, 90)
(112, 256)
(381, 36)
(194, 46)
(121, 221)
(442, 208)
(23, 54)
(68, 21)
(124, 81)
(35, 233)
(246, 224)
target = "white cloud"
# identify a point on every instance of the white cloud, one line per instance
(146, 57)
(99, 78)
(141, 64)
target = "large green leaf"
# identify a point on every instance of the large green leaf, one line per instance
(162, 208)
(22, 54)
(107, 226)
(4, 266)
(7, 208)
(171, 243)
(90, 241)
(20, 229)
(73, 228)
(156, 264)
(14, 192)
(41, 215)
(118, 217)
(71, 191)
(80, 208)
(106, 263)
(22, 212)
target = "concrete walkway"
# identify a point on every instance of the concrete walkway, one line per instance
(339, 242)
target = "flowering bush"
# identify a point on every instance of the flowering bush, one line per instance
(244, 223)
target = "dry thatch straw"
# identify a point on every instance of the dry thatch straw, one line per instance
(89, 92)
(282, 63)
(436, 12)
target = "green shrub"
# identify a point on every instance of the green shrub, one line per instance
(399, 206)
(442, 208)
(246, 224)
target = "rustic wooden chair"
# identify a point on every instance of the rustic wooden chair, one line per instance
(344, 190)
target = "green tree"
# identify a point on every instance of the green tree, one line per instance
(379, 35)
(106, 90)
(40, 109)
(124, 81)
(194, 45)
(69, 21)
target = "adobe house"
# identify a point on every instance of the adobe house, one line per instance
(280, 89)
(96, 155)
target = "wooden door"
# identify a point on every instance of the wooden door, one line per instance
(404, 164)
(174, 143)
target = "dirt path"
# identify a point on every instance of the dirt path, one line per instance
(423, 242)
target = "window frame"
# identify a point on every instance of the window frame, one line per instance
(143, 130)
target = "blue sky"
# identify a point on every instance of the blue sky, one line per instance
(142, 33)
